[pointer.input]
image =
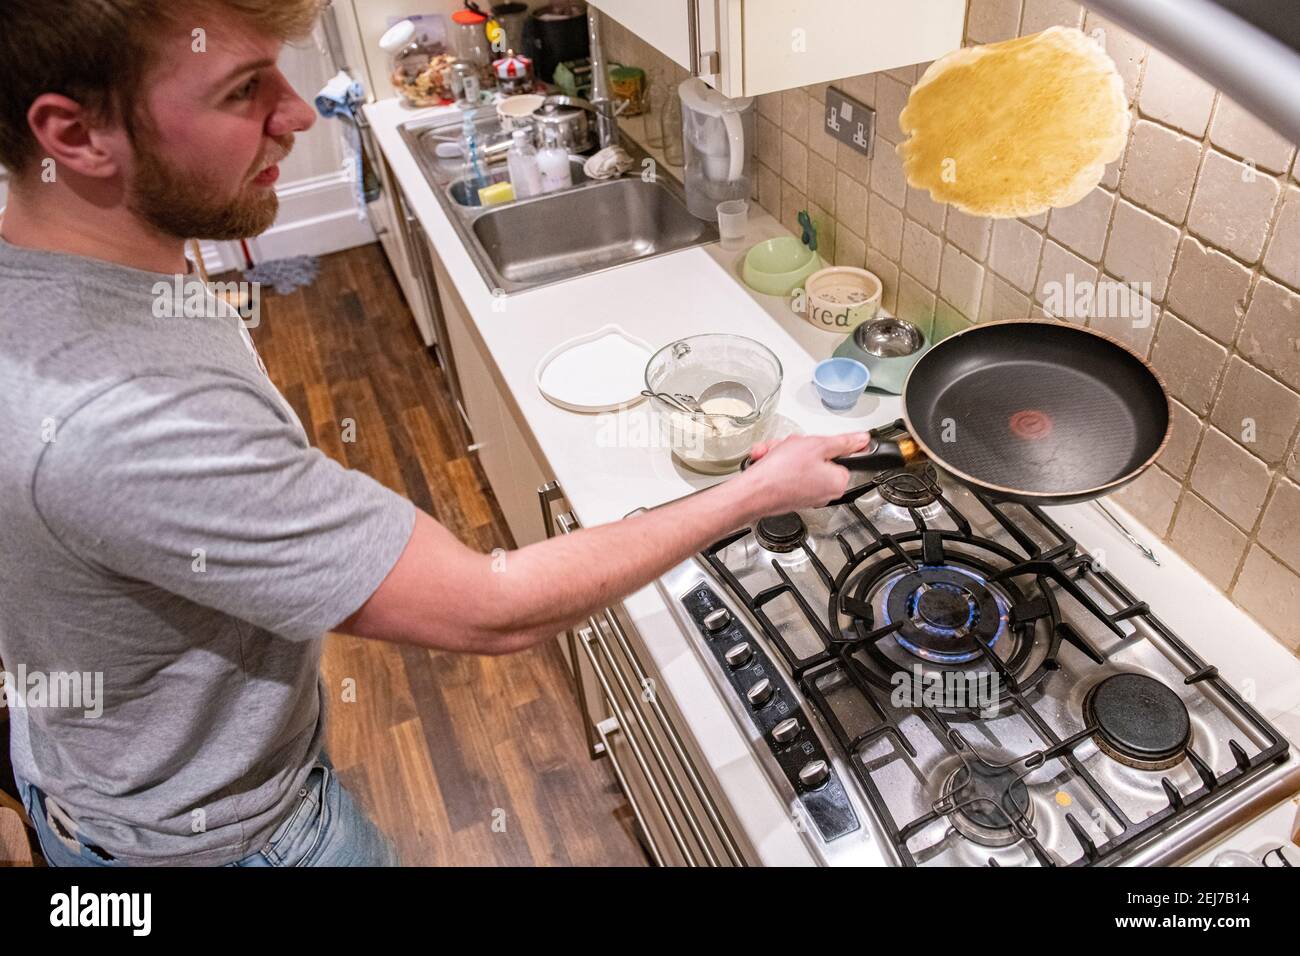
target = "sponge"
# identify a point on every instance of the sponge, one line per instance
(496, 193)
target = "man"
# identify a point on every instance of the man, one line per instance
(166, 523)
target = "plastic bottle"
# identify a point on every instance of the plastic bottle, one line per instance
(525, 174)
(553, 160)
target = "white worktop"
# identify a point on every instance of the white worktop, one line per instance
(698, 290)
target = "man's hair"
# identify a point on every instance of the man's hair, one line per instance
(97, 52)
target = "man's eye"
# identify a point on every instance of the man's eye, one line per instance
(245, 91)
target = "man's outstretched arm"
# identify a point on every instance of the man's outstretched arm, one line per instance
(443, 594)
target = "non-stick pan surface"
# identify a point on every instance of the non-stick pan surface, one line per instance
(1043, 412)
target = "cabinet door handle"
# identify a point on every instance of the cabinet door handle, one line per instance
(701, 63)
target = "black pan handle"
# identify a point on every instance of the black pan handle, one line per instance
(881, 456)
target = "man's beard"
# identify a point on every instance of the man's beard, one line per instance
(183, 206)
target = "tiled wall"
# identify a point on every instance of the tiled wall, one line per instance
(1203, 209)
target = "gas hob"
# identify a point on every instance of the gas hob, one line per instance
(960, 682)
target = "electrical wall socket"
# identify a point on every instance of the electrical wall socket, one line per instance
(850, 121)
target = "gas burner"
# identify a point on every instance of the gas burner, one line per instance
(948, 614)
(1139, 721)
(988, 805)
(781, 533)
(911, 489)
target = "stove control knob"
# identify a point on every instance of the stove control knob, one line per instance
(760, 693)
(786, 731)
(717, 620)
(814, 773)
(738, 655)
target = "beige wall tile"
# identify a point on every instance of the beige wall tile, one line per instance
(1041, 14)
(1207, 540)
(961, 280)
(851, 203)
(1065, 282)
(1209, 290)
(1256, 410)
(1293, 462)
(1161, 170)
(861, 88)
(1270, 335)
(904, 74)
(820, 142)
(769, 190)
(794, 162)
(992, 20)
(1128, 52)
(1231, 479)
(916, 304)
(1151, 499)
(947, 320)
(1184, 436)
(925, 210)
(891, 97)
(1271, 593)
(853, 163)
(1141, 248)
(821, 181)
(1280, 529)
(792, 201)
(1283, 257)
(1001, 301)
(885, 229)
(794, 111)
(1236, 131)
(887, 177)
(1082, 227)
(971, 234)
(1189, 362)
(769, 143)
(850, 249)
(826, 229)
(1173, 94)
(1123, 313)
(922, 253)
(1232, 206)
(886, 269)
(1015, 252)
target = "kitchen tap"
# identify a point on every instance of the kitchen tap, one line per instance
(606, 113)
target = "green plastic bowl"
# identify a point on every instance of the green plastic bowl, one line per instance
(779, 266)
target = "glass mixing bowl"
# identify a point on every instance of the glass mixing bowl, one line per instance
(713, 444)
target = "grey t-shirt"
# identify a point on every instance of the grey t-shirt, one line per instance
(165, 523)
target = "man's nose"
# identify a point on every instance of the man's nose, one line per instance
(293, 114)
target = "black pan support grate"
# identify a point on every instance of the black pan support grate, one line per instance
(1059, 566)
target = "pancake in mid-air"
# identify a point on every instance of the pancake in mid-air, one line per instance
(1015, 128)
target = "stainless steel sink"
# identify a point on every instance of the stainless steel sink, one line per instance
(584, 230)
(594, 225)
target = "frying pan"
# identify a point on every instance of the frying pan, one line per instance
(1036, 412)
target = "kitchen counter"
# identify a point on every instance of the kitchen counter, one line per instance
(606, 470)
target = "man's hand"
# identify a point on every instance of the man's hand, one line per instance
(797, 472)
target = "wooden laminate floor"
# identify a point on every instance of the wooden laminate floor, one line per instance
(460, 759)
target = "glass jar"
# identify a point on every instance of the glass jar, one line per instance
(469, 40)
(417, 65)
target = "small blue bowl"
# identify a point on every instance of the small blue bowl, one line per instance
(840, 381)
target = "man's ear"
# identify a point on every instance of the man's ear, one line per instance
(64, 131)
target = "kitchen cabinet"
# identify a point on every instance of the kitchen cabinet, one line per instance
(630, 719)
(390, 215)
(748, 47)
(513, 468)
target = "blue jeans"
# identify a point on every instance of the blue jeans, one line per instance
(324, 828)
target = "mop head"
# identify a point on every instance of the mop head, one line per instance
(285, 275)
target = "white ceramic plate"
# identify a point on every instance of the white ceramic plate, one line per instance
(597, 372)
